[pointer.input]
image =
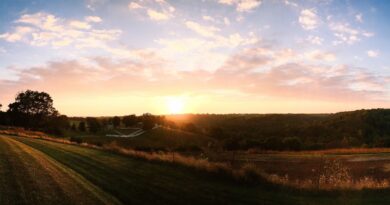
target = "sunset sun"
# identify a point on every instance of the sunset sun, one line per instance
(175, 105)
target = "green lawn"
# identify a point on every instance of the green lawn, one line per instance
(135, 181)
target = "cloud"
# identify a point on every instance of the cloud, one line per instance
(359, 18)
(291, 3)
(19, 34)
(93, 19)
(158, 16)
(208, 18)
(320, 55)
(346, 34)
(299, 79)
(249, 73)
(156, 10)
(372, 53)
(316, 40)
(219, 40)
(94, 4)
(80, 25)
(226, 21)
(44, 29)
(206, 31)
(242, 5)
(134, 5)
(309, 19)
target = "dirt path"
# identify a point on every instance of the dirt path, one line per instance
(28, 176)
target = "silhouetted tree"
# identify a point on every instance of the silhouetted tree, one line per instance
(129, 120)
(32, 109)
(218, 133)
(116, 121)
(3, 117)
(82, 127)
(191, 127)
(93, 124)
(148, 121)
(57, 124)
(73, 127)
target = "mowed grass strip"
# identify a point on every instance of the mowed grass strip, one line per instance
(30, 177)
(137, 181)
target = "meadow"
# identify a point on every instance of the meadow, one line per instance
(64, 173)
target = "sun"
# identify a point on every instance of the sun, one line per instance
(175, 105)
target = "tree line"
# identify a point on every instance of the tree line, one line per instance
(360, 128)
(34, 110)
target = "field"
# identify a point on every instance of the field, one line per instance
(371, 167)
(156, 139)
(36, 171)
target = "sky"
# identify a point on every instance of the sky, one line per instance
(117, 57)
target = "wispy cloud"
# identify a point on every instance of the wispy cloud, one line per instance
(309, 19)
(207, 31)
(372, 53)
(44, 29)
(316, 40)
(156, 10)
(242, 5)
(347, 34)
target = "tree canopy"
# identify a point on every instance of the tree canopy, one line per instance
(33, 103)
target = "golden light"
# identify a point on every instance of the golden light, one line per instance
(175, 105)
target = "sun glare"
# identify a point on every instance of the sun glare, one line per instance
(175, 105)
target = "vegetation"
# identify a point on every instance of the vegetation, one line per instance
(133, 180)
(362, 128)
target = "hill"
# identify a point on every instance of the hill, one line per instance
(361, 128)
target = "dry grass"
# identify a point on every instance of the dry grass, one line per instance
(332, 176)
(343, 151)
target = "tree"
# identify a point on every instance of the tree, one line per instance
(33, 103)
(273, 143)
(56, 125)
(82, 127)
(93, 124)
(116, 121)
(129, 120)
(73, 127)
(3, 117)
(32, 109)
(191, 127)
(148, 121)
(218, 133)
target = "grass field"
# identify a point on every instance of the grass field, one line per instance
(156, 139)
(35, 171)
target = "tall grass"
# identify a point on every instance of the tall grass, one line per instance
(333, 175)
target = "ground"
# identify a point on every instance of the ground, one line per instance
(35, 171)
